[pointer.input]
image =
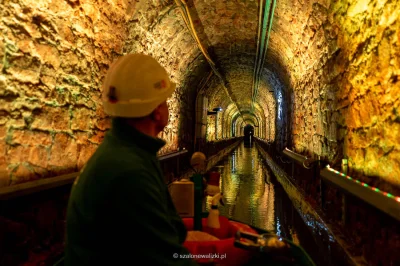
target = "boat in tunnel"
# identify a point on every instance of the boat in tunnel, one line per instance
(296, 105)
(239, 227)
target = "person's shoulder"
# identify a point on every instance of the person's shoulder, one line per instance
(114, 154)
(135, 174)
(105, 166)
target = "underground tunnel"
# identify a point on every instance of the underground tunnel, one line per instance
(314, 81)
(248, 134)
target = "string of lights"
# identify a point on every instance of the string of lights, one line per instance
(364, 184)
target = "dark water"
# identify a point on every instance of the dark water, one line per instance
(253, 196)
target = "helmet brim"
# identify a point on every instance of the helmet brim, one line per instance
(138, 108)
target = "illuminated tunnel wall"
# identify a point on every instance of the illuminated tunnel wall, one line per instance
(329, 85)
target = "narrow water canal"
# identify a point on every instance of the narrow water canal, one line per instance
(253, 196)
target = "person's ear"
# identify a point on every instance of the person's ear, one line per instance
(156, 115)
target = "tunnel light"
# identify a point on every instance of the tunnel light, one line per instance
(280, 100)
(214, 111)
(377, 190)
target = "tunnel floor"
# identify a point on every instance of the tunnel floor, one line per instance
(253, 196)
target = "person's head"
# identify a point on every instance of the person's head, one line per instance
(198, 161)
(136, 88)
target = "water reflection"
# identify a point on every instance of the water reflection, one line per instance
(253, 196)
(248, 198)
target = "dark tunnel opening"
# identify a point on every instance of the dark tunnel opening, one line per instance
(248, 136)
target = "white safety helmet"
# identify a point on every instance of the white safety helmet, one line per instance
(134, 86)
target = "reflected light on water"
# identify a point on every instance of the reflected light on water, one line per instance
(230, 186)
(278, 227)
(295, 238)
(247, 197)
(253, 196)
(233, 163)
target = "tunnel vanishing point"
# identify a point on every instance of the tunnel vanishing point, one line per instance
(318, 77)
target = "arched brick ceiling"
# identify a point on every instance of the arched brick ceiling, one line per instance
(228, 30)
(311, 46)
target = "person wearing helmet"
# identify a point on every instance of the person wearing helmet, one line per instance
(120, 211)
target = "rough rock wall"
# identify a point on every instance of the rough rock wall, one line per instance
(345, 96)
(310, 131)
(158, 29)
(368, 99)
(54, 57)
(346, 88)
(270, 88)
(210, 128)
(54, 54)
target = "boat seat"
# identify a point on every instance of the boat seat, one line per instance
(224, 246)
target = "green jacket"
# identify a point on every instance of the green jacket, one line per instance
(120, 211)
